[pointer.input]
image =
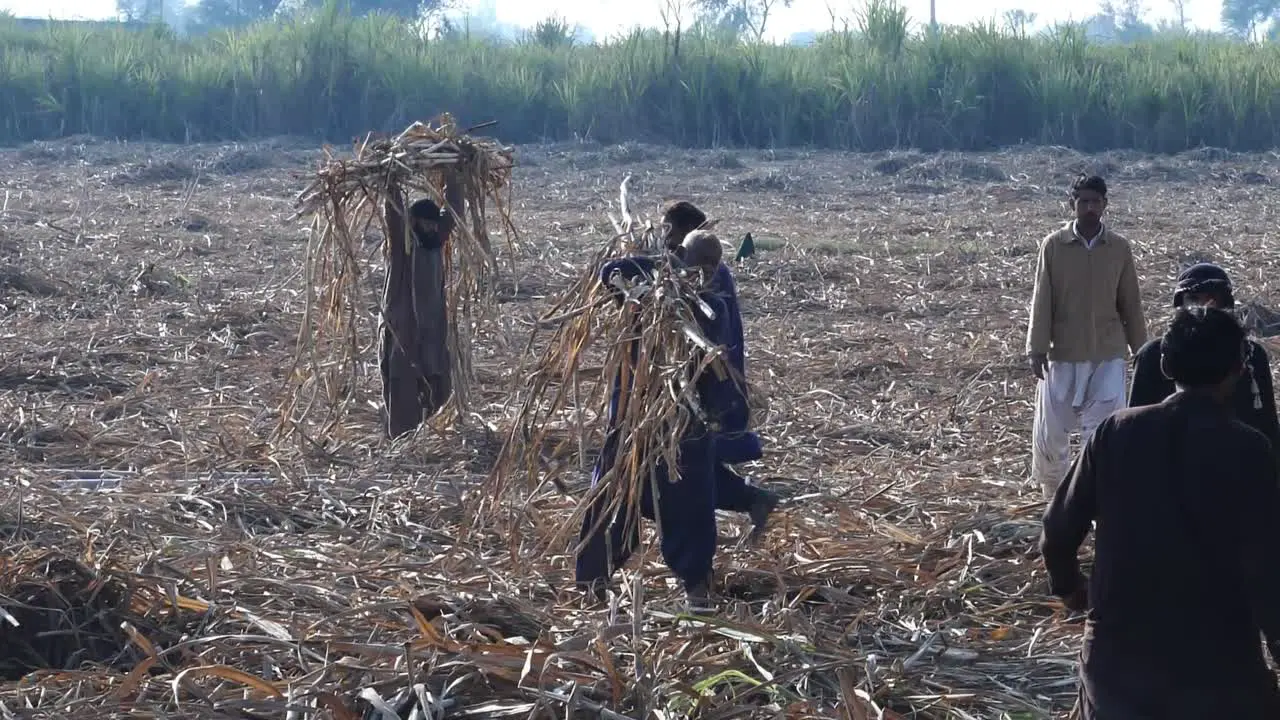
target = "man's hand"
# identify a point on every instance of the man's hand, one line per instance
(1039, 364)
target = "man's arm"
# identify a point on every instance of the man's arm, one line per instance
(1253, 517)
(1069, 516)
(715, 386)
(1268, 422)
(630, 268)
(1149, 386)
(1129, 303)
(1040, 327)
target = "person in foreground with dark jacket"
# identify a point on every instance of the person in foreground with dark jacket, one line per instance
(685, 506)
(1187, 549)
(1254, 400)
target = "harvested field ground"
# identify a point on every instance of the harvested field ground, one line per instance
(150, 298)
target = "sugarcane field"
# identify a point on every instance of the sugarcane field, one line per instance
(361, 363)
(170, 551)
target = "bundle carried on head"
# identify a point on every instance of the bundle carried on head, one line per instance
(639, 338)
(347, 196)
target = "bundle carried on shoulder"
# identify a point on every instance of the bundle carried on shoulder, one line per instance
(621, 369)
(460, 175)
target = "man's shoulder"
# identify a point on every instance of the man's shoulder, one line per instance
(716, 303)
(1250, 436)
(1152, 345)
(1139, 418)
(1116, 238)
(628, 264)
(713, 317)
(713, 298)
(724, 278)
(1257, 350)
(1062, 234)
(1232, 431)
(1129, 417)
(1149, 349)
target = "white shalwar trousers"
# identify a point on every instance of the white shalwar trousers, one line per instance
(1073, 396)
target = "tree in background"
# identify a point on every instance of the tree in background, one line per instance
(1120, 22)
(408, 9)
(1019, 21)
(1243, 17)
(173, 13)
(748, 18)
(209, 14)
(553, 32)
(672, 14)
(138, 10)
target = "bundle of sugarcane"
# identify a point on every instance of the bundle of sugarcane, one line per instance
(646, 334)
(344, 200)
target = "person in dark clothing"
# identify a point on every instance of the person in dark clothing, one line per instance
(1254, 400)
(686, 508)
(737, 444)
(1187, 549)
(415, 363)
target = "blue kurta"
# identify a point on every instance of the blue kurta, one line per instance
(686, 507)
(736, 442)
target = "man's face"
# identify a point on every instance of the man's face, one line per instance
(425, 228)
(1089, 205)
(675, 236)
(1205, 299)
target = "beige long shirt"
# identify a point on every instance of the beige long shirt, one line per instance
(1086, 305)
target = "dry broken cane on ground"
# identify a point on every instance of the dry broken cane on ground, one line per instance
(151, 297)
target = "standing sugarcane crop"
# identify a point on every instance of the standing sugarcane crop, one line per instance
(1085, 309)
(684, 506)
(736, 443)
(1254, 401)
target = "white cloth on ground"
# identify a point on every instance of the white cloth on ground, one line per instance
(1073, 396)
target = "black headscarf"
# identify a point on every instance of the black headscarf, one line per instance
(1205, 278)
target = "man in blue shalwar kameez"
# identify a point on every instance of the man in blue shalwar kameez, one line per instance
(686, 507)
(736, 443)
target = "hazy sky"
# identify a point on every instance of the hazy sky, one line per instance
(603, 17)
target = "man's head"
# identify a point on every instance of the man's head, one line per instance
(427, 224)
(1204, 284)
(1205, 348)
(680, 219)
(702, 250)
(1089, 199)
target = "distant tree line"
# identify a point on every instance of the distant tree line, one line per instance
(1117, 20)
(748, 19)
(1125, 20)
(207, 15)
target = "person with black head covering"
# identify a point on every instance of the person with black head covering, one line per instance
(1186, 570)
(415, 362)
(1254, 401)
(685, 507)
